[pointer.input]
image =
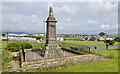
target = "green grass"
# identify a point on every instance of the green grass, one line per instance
(88, 43)
(0, 61)
(106, 53)
(113, 36)
(73, 37)
(6, 58)
(101, 66)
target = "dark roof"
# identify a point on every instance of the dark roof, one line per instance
(117, 38)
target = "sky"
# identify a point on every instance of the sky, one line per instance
(72, 17)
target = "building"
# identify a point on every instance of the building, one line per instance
(117, 39)
(110, 38)
(92, 39)
(18, 39)
(60, 39)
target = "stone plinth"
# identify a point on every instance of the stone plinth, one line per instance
(56, 52)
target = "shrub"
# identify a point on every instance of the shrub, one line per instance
(27, 45)
(16, 46)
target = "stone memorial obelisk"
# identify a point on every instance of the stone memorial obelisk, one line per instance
(51, 39)
(52, 49)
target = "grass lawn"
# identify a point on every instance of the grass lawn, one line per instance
(6, 58)
(0, 61)
(88, 43)
(73, 37)
(101, 66)
(106, 53)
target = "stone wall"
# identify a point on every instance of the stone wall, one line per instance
(57, 52)
(33, 55)
(59, 61)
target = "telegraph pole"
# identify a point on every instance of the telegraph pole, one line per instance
(44, 27)
(7, 38)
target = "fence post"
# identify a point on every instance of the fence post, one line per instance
(95, 47)
(89, 50)
(41, 44)
(23, 52)
(20, 58)
(62, 45)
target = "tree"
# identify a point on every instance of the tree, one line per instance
(108, 42)
(101, 34)
(39, 37)
(3, 35)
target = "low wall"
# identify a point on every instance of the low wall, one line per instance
(57, 61)
(41, 61)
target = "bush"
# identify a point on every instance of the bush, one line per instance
(16, 46)
(27, 45)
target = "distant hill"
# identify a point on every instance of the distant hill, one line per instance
(16, 32)
(22, 33)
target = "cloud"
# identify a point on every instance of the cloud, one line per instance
(108, 5)
(93, 22)
(106, 19)
(34, 19)
(14, 19)
(28, 5)
(6, 9)
(69, 16)
(50, 4)
(105, 26)
(68, 19)
(109, 27)
(60, 28)
(66, 10)
(24, 28)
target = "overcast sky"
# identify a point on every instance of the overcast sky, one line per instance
(72, 17)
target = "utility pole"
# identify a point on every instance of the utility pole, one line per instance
(44, 27)
(7, 38)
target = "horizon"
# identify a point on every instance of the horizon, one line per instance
(57, 33)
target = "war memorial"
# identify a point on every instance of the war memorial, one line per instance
(52, 54)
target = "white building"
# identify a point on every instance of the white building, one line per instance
(102, 38)
(17, 35)
(20, 38)
(60, 39)
(110, 38)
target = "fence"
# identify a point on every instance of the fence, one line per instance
(77, 47)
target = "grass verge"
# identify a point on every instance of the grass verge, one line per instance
(6, 58)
